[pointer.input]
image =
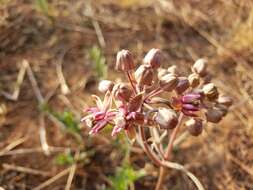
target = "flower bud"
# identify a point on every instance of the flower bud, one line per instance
(200, 66)
(124, 61)
(122, 92)
(173, 69)
(193, 80)
(194, 126)
(214, 115)
(210, 91)
(207, 78)
(168, 82)
(222, 108)
(105, 85)
(161, 72)
(183, 85)
(153, 58)
(144, 75)
(166, 118)
(225, 100)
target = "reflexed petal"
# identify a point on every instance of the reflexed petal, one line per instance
(107, 103)
(99, 115)
(92, 109)
(190, 107)
(189, 113)
(98, 102)
(189, 98)
(98, 127)
(116, 130)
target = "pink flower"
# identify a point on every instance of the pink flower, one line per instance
(188, 104)
(129, 115)
(101, 115)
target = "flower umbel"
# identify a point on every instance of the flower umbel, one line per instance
(157, 99)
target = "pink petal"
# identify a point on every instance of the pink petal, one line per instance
(98, 127)
(116, 130)
(188, 98)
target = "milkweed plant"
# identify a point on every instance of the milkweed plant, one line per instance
(156, 106)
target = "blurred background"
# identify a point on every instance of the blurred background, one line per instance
(52, 55)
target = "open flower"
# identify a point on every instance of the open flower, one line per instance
(188, 104)
(100, 115)
(128, 116)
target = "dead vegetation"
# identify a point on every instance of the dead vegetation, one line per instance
(46, 69)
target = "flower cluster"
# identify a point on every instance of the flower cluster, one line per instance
(155, 97)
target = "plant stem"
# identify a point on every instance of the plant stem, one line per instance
(168, 153)
(131, 81)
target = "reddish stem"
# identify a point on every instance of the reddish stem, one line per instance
(168, 152)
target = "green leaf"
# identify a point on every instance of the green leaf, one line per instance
(64, 159)
(98, 62)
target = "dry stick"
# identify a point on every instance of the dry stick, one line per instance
(13, 145)
(168, 153)
(64, 87)
(18, 84)
(35, 87)
(43, 136)
(32, 150)
(96, 26)
(25, 170)
(72, 172)
(53, 179)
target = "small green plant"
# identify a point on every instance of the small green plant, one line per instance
(64, 159)
(67, 118)
(125, 176)
(42, 5)
(98, 62)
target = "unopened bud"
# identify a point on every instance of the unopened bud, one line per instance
(183, 85)
(166, 118)
(207, 78)
(153, 58)
(169, 82)
(200, 66)
(214, 115)
(161, 72)
(222, 108)
(193, 80)
(173, 69)
(124, 61)
(105, 85)
(122, 92)
(225, 100)
(144, 75)
(210, 91)
(194, 126)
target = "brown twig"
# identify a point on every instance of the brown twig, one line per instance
(53, 179)
(25, 170)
